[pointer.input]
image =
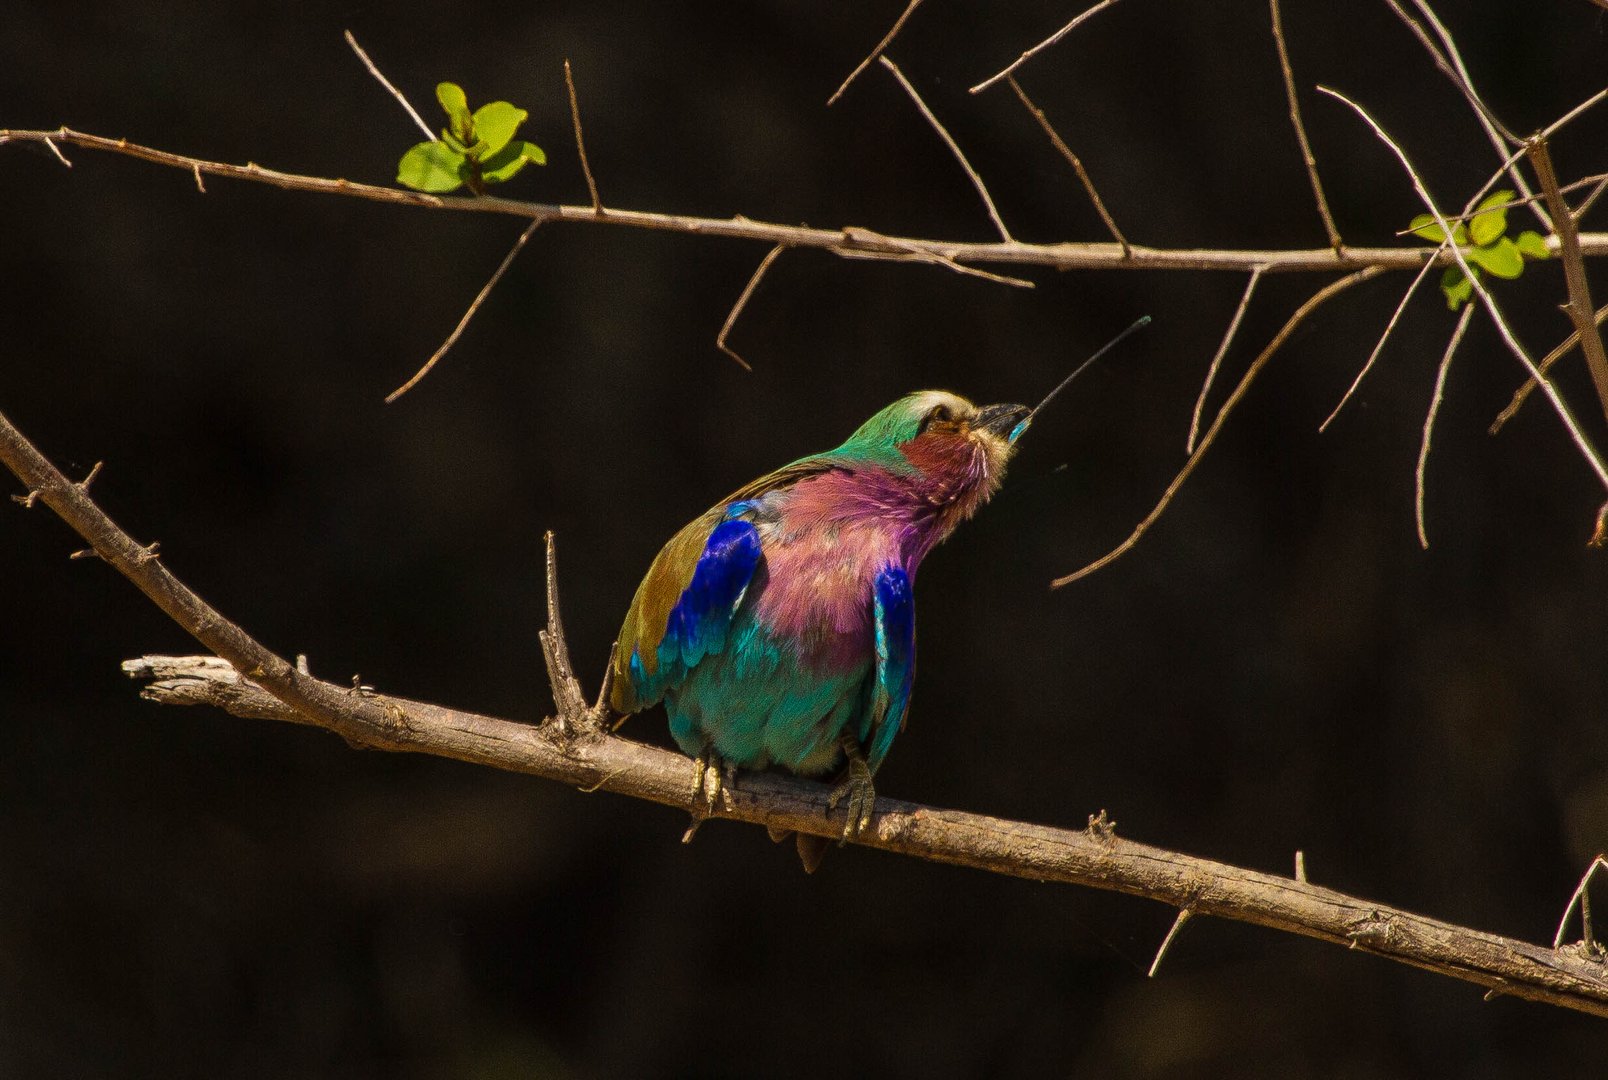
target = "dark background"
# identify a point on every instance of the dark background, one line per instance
(1277, 667)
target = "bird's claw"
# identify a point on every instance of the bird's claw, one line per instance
(708, 782)
(860, 795)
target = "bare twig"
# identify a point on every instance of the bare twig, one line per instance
(954, 147)
(1451, 65)
(849, 241)
(1429, 421)
(1590, 200)
(1217, 360)
(1522, 394)
(61, 157)
(1077, 166)
(457, 331)
(1184, 915)
(1041, 46)
(1450, 62)
(1300, 130)
(580, 142)
(1574, 270)
(882, 47)
(383, 81)
(1315, 301)
(1561, 407)
(742, 302)
(1378, 345)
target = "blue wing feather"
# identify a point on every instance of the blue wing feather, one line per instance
(895, 608)
(700, 620)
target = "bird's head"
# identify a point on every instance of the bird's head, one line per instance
(955, 451)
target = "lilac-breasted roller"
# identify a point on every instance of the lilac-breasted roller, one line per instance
(779, 628)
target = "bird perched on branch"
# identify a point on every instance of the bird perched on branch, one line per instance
(779, 628)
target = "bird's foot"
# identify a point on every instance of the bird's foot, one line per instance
(708, 782)
(857, 790)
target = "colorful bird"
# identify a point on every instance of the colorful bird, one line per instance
(779, 628)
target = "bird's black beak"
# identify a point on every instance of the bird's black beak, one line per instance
(1001, 420)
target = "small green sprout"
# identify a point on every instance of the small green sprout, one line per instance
(475, 148)
(1485, 245)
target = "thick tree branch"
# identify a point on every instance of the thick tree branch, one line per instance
(1093, 857)
(575, 749)
(849, 241)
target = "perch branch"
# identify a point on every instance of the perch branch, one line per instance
(1093, 857)
(849, 241)
(247, 679)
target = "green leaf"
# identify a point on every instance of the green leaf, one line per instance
(452, 99)
(1458, 289)
(431, 166)
(1501, 258)
(1533, 245)
(509, 160)
(1489, 224)
(1424, 225)
(495, 124)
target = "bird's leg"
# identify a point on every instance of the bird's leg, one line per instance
(856, 788)
(708, 776)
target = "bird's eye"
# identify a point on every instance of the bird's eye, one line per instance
(940, 414)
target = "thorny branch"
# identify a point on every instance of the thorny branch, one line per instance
(574, 748)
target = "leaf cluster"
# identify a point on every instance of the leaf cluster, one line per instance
(475, 149)
(1485, 245)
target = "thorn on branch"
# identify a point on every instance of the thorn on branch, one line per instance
(1300, 867)
(148, 553)
(1184, 915)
